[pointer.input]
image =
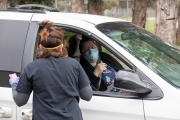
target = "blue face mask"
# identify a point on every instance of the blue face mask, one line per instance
(92, 55)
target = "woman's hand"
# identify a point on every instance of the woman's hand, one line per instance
(13, 75)
(13, 79)
(99, 68)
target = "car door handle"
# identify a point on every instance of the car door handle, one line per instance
(6, 112)
(2, 111)
(26, 114)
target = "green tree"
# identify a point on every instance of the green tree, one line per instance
(42, 2)
(109, 4)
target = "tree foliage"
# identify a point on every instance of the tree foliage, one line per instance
(42, 2)
(95, 1)
(109, 4)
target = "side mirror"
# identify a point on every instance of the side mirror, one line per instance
(130, 81)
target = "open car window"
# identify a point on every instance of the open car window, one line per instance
(115, 62)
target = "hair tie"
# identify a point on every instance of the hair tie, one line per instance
(51, 47)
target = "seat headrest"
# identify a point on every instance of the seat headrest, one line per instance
(74, 46)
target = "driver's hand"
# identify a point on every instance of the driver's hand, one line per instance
(99, 68)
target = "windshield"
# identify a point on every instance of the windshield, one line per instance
(147, 47)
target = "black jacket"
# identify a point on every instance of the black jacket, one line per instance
(89, 69)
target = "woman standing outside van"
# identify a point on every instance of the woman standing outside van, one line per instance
(57, 81)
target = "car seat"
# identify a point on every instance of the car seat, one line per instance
(74, 47)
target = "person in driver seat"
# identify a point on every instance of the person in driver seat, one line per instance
(100, 67)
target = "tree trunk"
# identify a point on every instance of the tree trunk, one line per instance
(96, 7)
(139, 9)
(178, 30)
(3, 4)
(77, 5)
(166, 28)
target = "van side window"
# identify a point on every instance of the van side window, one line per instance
(11, 48)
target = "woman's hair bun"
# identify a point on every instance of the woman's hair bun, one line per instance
(46, 23)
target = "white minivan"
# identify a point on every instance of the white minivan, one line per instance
(151, 66)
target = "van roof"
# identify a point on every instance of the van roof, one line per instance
(93, 19)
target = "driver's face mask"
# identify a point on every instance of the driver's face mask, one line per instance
(92, 55)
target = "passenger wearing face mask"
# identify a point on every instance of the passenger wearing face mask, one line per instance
(100, 72)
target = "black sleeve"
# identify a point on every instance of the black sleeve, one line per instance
(94, 79)
(25, 80)
(83, 79)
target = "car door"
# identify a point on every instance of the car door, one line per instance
(104, 105)
(11, 51)
(108, 105)
(126, 106)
